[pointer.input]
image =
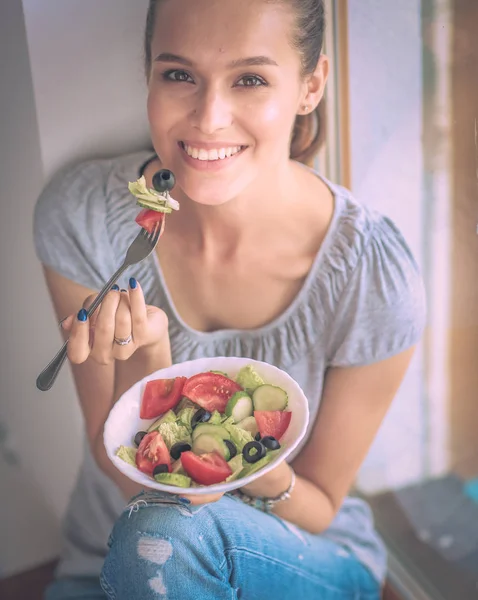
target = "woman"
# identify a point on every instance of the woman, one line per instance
(265, 260)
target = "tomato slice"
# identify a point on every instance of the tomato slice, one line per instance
(152, 452)
(272, 422)
(148, 218)
(205, 469)
(160, 395)
(211, 391)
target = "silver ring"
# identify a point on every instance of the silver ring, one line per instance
(123, 341)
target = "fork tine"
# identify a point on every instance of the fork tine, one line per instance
(153, 241)
(154, 236)
(151, 233)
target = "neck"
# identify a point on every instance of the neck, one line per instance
(241, 221)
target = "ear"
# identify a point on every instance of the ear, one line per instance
(314, 86)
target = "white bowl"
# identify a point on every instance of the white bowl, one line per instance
(124, 422)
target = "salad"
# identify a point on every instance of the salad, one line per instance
(208, 428)
(157, 202)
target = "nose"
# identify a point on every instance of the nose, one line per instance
(211, 112)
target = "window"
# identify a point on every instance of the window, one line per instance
(403, 134)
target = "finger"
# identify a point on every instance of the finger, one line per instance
(67, 323)
(104, 330)
(139, 314)
(123, 329)
(78, 348)
(92, 318)
(207, 499)
(89, 301)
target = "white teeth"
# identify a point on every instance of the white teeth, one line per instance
(216, 154)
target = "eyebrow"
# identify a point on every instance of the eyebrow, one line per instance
(252, 61)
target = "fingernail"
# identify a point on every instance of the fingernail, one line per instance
(60, 324)
(184, 501)
(123, 290)
(115, 288)
(82, 315)
(133, 284)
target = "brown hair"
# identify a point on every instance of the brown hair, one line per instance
(308, 133)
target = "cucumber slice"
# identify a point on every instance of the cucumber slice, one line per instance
(269, 397)
(239, 406)
(249, 424)
(152, 205)
(208, 442)
(175, 479)
(218, 430)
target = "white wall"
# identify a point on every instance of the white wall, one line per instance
(88, 77)
(387, 173)
(28, 524)
(71, 87)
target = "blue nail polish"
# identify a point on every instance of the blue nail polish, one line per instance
(184, 501)
(115, 288)
(82, 315)
(133, 284)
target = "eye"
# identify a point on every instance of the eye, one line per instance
(178, 76)
(251, 81)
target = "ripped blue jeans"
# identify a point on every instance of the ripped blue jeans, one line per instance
(163, 548)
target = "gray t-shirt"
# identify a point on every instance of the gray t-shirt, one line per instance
(362, 302)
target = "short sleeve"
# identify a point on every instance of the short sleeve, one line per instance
(382, 310)
(69, 225)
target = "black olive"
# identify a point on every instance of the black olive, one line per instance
(178, 449)
(200, 416)
(139, 437)
(253, 451)
(158, 469)
(270, 443)
(164, 181)
(258, 437)
(232, 448)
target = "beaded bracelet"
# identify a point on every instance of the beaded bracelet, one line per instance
(266, 504)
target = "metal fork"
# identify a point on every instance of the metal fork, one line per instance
(140, 248)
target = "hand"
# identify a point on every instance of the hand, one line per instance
(270, 485)
(123, 315)
(207, 499)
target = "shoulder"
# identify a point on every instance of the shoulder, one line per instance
(379, 306)
(368, 241)
(87, 184)
(75, 214)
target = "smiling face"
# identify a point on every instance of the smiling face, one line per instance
(225, 87)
